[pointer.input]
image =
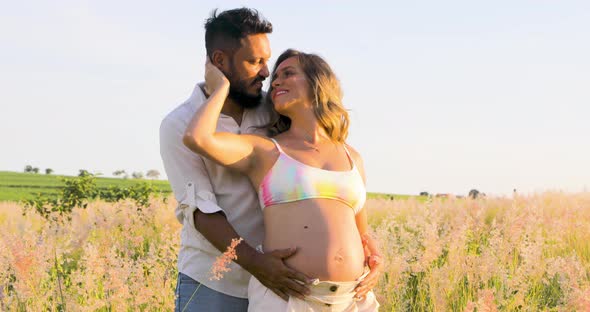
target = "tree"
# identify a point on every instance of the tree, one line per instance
(154, 174)
(474, 193)
(119, 172)
(122, 173)
(424, 194)
(28, 168)
(48, 171)
(137, 175)
(35, 170)
(84, 173)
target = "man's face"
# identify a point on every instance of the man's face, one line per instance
(248, 69)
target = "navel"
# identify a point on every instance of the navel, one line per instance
(338, 257)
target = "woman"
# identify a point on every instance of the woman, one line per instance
(310, 184)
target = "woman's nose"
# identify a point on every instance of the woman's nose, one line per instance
(275, 83)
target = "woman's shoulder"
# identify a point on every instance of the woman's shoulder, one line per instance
(356, 156)
(357, 159)
(261, 143)
(259, 138)
(281, 138)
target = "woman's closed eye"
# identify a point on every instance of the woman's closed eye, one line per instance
(284, 74)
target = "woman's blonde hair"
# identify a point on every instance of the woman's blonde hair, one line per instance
(326, 94)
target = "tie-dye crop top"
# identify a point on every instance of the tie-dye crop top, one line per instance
(290, 180)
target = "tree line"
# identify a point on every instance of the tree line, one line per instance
(152, 173)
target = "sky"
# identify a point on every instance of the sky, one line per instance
(444, 96)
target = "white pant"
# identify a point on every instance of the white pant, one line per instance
(325, 296)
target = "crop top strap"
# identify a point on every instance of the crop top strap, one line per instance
(278, 146)
(348, 154)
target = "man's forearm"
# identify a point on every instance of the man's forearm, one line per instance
(269, 268)
(219, 232)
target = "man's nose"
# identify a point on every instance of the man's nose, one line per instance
(264, 71)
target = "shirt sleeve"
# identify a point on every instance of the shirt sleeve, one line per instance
(186, 172)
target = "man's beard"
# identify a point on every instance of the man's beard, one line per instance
(238, 92)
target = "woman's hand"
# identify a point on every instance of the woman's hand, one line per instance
(214, 79)
(375, 263)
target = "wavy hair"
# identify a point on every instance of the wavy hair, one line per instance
(326, 96)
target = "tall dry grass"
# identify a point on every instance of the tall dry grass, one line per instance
(110, 257)
(492, 254)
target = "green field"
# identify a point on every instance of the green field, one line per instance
(15, 186)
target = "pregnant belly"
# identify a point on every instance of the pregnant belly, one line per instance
(324, 231)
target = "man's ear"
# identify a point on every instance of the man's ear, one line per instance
(220, 60)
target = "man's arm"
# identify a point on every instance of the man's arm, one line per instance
(268, 268)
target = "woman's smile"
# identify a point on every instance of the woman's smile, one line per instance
(278, 92)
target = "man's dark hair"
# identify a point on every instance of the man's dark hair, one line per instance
(224, 31)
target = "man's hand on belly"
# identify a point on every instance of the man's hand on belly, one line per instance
(271, 270)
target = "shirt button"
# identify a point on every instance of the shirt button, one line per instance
(333, 288)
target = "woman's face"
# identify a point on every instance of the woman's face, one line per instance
(289, 86)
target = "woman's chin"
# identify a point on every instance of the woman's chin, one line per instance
(280, 108)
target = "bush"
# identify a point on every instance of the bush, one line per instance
(140, 193)
(76, 193)
(79, 191)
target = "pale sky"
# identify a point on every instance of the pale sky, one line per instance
(445, 96)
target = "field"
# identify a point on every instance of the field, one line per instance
(524, 253)
(492, 254)
(15, 186)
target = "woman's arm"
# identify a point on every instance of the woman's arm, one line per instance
(228, 149)
(372, 253)
(361, 216)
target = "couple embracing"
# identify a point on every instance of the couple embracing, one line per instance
(273, 169)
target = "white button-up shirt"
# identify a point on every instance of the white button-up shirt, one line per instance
(199, 183)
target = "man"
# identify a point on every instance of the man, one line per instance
(215, 204)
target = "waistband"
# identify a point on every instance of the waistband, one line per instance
(332, 288)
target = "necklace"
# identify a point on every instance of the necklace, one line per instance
(306, 141)
(314, 148)
(311, 146)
